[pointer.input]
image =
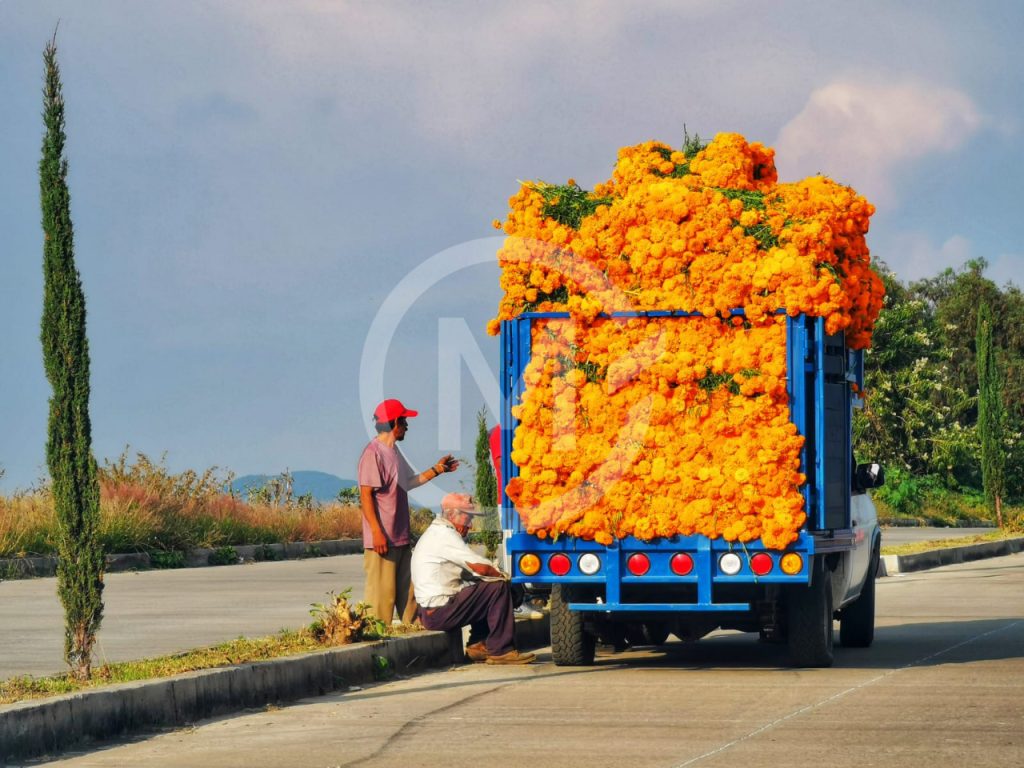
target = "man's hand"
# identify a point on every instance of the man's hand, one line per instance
(446, 463)
(380, 542)
(485, 570)
(369, 509)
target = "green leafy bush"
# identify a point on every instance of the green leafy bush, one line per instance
(266, 552)
(223, 556)
(167, 559)
(903, 493)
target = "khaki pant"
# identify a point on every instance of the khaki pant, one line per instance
(389, 583)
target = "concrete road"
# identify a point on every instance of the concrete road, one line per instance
(151, 613)
(941, 686)
(156, 612)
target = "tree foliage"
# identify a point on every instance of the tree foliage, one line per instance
(486, 489)
(66, 359)
(990, 415)
(921, 416)
(486, 484)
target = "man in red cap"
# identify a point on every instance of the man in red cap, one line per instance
(385, 478)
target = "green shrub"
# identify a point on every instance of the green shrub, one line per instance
(223, 556)
(925, 500)
(383, 668)
(167, 559)
(267, 552)
(903, 493)
(946, 508)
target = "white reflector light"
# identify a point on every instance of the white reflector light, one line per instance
(590, 564)
(730, 563)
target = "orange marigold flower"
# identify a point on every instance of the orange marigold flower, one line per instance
(658, 427)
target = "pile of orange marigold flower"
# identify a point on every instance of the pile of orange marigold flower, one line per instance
(656, 427)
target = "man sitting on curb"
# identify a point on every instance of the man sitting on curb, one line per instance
(455, 586)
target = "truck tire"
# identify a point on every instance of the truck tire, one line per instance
(571, 644)
(647, 633)
(655, 632)
(857, 620)
(809, 622)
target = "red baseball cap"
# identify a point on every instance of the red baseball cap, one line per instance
(390, 410)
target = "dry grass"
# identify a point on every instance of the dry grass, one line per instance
(26, 523)
(145, 507)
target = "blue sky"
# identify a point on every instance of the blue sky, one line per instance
(251, 180)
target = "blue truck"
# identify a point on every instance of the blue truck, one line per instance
(639, 592)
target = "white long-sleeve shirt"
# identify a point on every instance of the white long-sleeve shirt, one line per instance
(439, 560)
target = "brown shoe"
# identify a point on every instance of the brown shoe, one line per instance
(476, 652)
(512, 657)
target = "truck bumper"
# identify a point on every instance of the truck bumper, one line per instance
(684, 574)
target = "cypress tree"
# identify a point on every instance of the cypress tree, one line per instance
(486, 483)
(486, 490)
(66, 359)
(990, 415)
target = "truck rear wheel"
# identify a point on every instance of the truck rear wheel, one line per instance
(654, 632)
(647, 633)
(571, 644)
(857, 620)
(809, 622)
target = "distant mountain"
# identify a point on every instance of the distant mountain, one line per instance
(322, 485)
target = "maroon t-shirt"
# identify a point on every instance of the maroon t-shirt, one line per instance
(384, 468)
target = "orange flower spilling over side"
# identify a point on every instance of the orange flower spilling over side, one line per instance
(654, 428)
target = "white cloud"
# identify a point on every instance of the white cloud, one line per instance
(863, 133)
(914, 255)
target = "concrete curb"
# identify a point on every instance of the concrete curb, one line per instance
(39, 727)
(28, 567)
(891, 565)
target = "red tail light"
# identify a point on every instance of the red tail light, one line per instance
(681, 564)
(761, 563)
(559, 564)
(638, 564)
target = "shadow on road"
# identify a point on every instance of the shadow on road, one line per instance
(918, 644)
(921, 643)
